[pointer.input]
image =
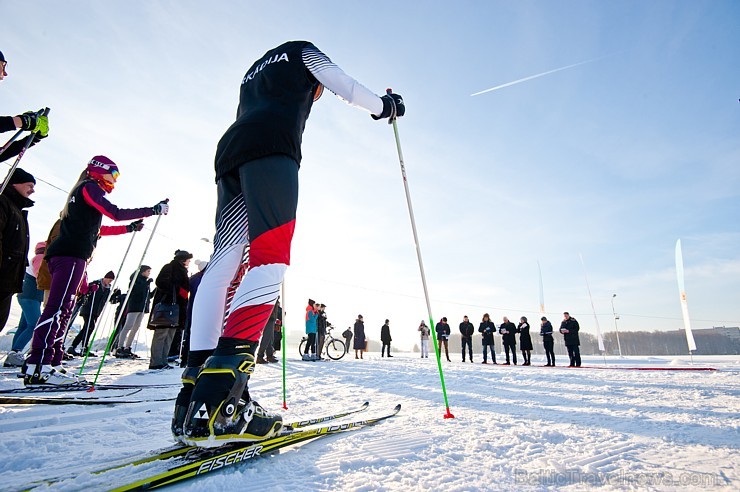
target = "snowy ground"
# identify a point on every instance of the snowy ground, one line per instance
(515, 428)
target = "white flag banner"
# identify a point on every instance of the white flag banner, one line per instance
(684, 302)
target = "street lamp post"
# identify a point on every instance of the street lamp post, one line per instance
(616, 328)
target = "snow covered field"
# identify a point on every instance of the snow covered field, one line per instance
(516, 428)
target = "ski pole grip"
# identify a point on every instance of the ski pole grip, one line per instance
(43, 112)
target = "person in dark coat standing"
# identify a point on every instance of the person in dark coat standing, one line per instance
(569, 328)
(508, 336)
(347, 334)
(385, 338)
(487, 329)
(266, 347)
(137, 307)
(547, 341)
(173, 287)
(194, 284)
(359, 343)
(443, 335)
(525, 341)
(14, 239)
(466, 332)
(97, 295)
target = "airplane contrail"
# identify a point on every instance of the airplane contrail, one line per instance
(508, 84)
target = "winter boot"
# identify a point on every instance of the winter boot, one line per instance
(189, 376)
(73, 351)
(14, 359)
(47, 376)
(221, 410)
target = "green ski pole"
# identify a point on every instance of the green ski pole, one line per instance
(447, 415)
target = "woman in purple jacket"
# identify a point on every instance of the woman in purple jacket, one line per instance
(67, 257)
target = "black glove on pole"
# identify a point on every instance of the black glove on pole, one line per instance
(43, 112)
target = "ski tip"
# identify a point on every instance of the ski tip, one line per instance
(365, 405)
(397, 409)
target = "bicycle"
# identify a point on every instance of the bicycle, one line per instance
(334, 348)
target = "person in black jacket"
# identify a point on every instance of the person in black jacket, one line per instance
(443, 335)
(257, 162)
(92, 305)
(569, 328)
(173, 287)
(14, 238)
(385, 338)
(137, 307)
(525, 341)
(508, 336)
(466, 332)
(547, 341)
(487, 329)
(360, 342)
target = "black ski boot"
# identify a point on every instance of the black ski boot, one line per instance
(221, 411)
(189, 376)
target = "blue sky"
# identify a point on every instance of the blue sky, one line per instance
(614, 159)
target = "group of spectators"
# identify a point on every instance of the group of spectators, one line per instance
(508, 330)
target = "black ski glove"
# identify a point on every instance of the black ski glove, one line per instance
(162, 208)
(29, 120)
(393, 107)
(135, 226)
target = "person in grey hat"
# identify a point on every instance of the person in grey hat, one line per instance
(15, 238)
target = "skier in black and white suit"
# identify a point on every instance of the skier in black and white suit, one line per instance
(257, 162)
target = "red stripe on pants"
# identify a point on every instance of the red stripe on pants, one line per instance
(272, 246)
(247, 322)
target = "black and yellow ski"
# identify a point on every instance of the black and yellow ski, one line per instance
(180, 450)
(201, 461)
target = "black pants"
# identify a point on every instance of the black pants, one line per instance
(347, 342)
(469, 343)
(88, 327)
(310, 344)
(512, 347)
(574, 352)
(441, 342)
(382, 350)
(549, 352)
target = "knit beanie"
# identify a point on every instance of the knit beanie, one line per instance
(182, 255)
(110, 275)
(21, 176)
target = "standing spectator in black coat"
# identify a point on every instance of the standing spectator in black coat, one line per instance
(359, 343)
(569, 328)
(321, 324)
(508, 335)
(14, 238)
(487, 329)
(347, 334)
(548, 341)
(466, 331)
(93, 304)
(385, 338)
(525, 341)
(194, 284)
(138, 305)
(266, 347)
(173, 287)
(443, 335)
